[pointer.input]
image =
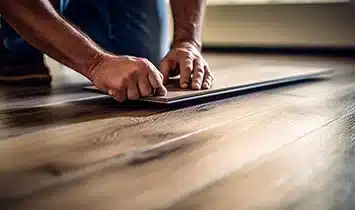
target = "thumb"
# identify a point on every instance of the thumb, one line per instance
(161, 91)
(157, 84)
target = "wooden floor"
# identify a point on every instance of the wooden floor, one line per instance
(289, 147)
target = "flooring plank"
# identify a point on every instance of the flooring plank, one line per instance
(161, 182)
(60, 154)
(14, 123)
(70, 147)
(342, 80)
(236, 79)
(314, 172)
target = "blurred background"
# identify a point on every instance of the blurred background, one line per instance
(280, 23)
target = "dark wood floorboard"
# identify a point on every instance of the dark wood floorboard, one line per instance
(102, 139)
(288, 147)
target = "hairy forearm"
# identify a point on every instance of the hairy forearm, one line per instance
(188, 20)
(39, 24)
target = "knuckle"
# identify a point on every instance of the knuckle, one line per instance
(157, 74)
(209, 79)
(160, 74)
(133, 75)
(145, 61)
(123, 81)
(188, 68)
(209, 74)
(199, 70)
(189, 56)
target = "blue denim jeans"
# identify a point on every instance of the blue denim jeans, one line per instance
(133, 27)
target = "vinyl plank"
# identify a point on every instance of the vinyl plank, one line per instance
(217, 153)
(235, 79)
(342, 80)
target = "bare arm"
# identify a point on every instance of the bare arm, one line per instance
(122, 77)
(40, 25)
(188, 20)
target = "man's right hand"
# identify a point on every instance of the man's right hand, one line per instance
(127, 77)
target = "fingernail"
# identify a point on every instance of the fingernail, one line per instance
(110, 92)
(205, 85)
(185, 85)
(161, 92)
(197, 86)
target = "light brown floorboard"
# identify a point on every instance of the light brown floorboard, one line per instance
(314, 172)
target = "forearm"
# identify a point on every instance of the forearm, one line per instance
(39, 24)
(188, 19)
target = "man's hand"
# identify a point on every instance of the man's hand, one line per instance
(185, 59)
(127, 77)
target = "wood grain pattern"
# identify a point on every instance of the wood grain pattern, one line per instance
(310, 173)
(289, 147)
(222, 150)
(102, 139)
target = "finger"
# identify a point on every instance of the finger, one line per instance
(198, 74)
(132, 91)
(164, 69)
(156, 83)
(144, 86)
(174, 70)
(208, 78)
(156, 80)
(157, 76)
(118, 89)
(186, 65)
(152, 67)
(161, 91)
(119, 95)
(161, 76)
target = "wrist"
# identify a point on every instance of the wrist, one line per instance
(89, 67)
(189, 32)
(191, 42)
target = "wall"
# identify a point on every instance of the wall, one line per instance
(311, 24)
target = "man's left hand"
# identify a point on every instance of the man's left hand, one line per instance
(185, 59)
